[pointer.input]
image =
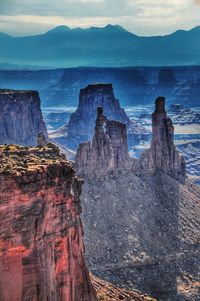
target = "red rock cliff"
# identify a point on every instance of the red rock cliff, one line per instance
(41, 234)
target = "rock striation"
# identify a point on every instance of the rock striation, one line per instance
(20, 117)
(82, 122)
(108, 150)
(41, 233)
(162, 155)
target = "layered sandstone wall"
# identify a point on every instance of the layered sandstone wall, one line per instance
(20, 117)
(41, 233)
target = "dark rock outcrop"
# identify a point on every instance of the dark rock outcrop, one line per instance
(108, 150)
(41, 233)
(20, 117)
(162, 155)
(82, 122)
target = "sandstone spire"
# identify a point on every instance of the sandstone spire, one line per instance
(162, 155)
(108, 150)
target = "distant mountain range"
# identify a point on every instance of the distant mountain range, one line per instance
(110, 46)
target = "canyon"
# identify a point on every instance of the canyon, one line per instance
(133, 85)
(140, 216)
(41, 232)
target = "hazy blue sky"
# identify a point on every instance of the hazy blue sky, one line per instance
(143, 17)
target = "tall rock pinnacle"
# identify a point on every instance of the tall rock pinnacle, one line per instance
(108, 150)
(162, 155)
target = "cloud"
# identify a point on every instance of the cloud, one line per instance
(142, 17)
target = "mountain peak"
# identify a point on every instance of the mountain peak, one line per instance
(195, 29)
(115, 27)
(59, 30)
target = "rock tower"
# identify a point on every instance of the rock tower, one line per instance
(108, 150)
(162, 155)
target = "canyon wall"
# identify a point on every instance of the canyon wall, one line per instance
(41, 233)
(20, 117)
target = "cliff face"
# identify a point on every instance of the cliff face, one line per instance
(108, 150)
(162, 155)
(82, 122)
(20, 117)
(41, 234)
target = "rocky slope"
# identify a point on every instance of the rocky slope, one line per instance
(81, 124)
(144, 217)
(41, 233)
(109, 292)
(182, 115)
(144, 233)
(20, 117)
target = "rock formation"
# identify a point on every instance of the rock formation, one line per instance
(41, 234)
(82, 122)
(41, 141)
(141, 217)
(162, 155)
(108, 150)
(20, 117)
